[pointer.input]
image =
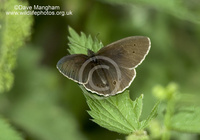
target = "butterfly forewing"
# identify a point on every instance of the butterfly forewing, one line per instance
(128, 52)
(70, 67)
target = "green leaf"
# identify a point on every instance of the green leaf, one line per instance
(178, 116)
(80, 44)
(112, 113)
(152, 115)
(117, 113)
(187, 119)
(38, 111)
(13, 32)
(138, 107)
(7, 132)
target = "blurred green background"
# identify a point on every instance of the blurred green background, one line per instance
(42, 104)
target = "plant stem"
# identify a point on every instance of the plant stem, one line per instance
(167, 119)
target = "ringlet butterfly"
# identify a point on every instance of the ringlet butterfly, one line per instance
(110, 70)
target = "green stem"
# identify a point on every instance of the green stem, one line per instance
(167, 119)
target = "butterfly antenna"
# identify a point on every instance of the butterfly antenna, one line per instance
(97, 35)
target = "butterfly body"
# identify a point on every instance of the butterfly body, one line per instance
(110, 70)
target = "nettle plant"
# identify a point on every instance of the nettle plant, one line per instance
(120, 114)
(116, 113)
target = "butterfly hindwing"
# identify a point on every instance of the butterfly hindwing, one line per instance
(100, 80)
(109, 80)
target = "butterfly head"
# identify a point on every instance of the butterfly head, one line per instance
(90, 53)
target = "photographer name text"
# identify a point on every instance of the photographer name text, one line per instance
(36, 7)
(38, 10)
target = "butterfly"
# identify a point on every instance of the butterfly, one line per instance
(110, 70)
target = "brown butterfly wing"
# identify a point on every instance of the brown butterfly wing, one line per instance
(72, 67)
(128, 75)
(121, 57)
(110, 80)
(128, 52)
